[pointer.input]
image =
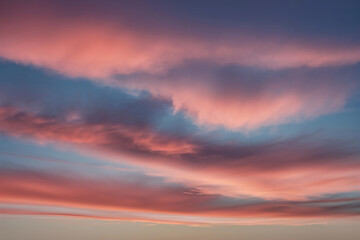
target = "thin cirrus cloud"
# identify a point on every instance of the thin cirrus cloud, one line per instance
(97, 47)
(118, 125)
(245, 99)
(189, 99)
(264, 169)
(87, 45)
(114, 194)
(119, 45)
(22, 124)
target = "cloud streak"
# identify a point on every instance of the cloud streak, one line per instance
(267, 169)
(222, 113)
(241, 98)
(116, 194)
(87, 45)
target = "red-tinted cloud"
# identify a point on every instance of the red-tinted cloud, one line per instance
(270, 170)
(244, 99)
(49, 129)
(90, 45)
(99, 47)
(116, 194)
(204, 76)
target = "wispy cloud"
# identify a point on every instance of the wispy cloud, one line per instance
(86, 45)
(191, 100)
(146, 195)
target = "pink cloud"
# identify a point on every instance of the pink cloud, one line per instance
(111, 194)
(85, 46)
(248, 103)
(19, 123)
(98, 217)
(90, 47)
(268, 171)
(240, 80)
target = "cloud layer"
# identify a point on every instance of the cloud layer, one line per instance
(29, 187)
(235, 113)
(145, 136)
(84, 43)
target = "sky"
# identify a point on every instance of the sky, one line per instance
(179, 120)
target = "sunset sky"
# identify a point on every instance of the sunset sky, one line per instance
(200, 120)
